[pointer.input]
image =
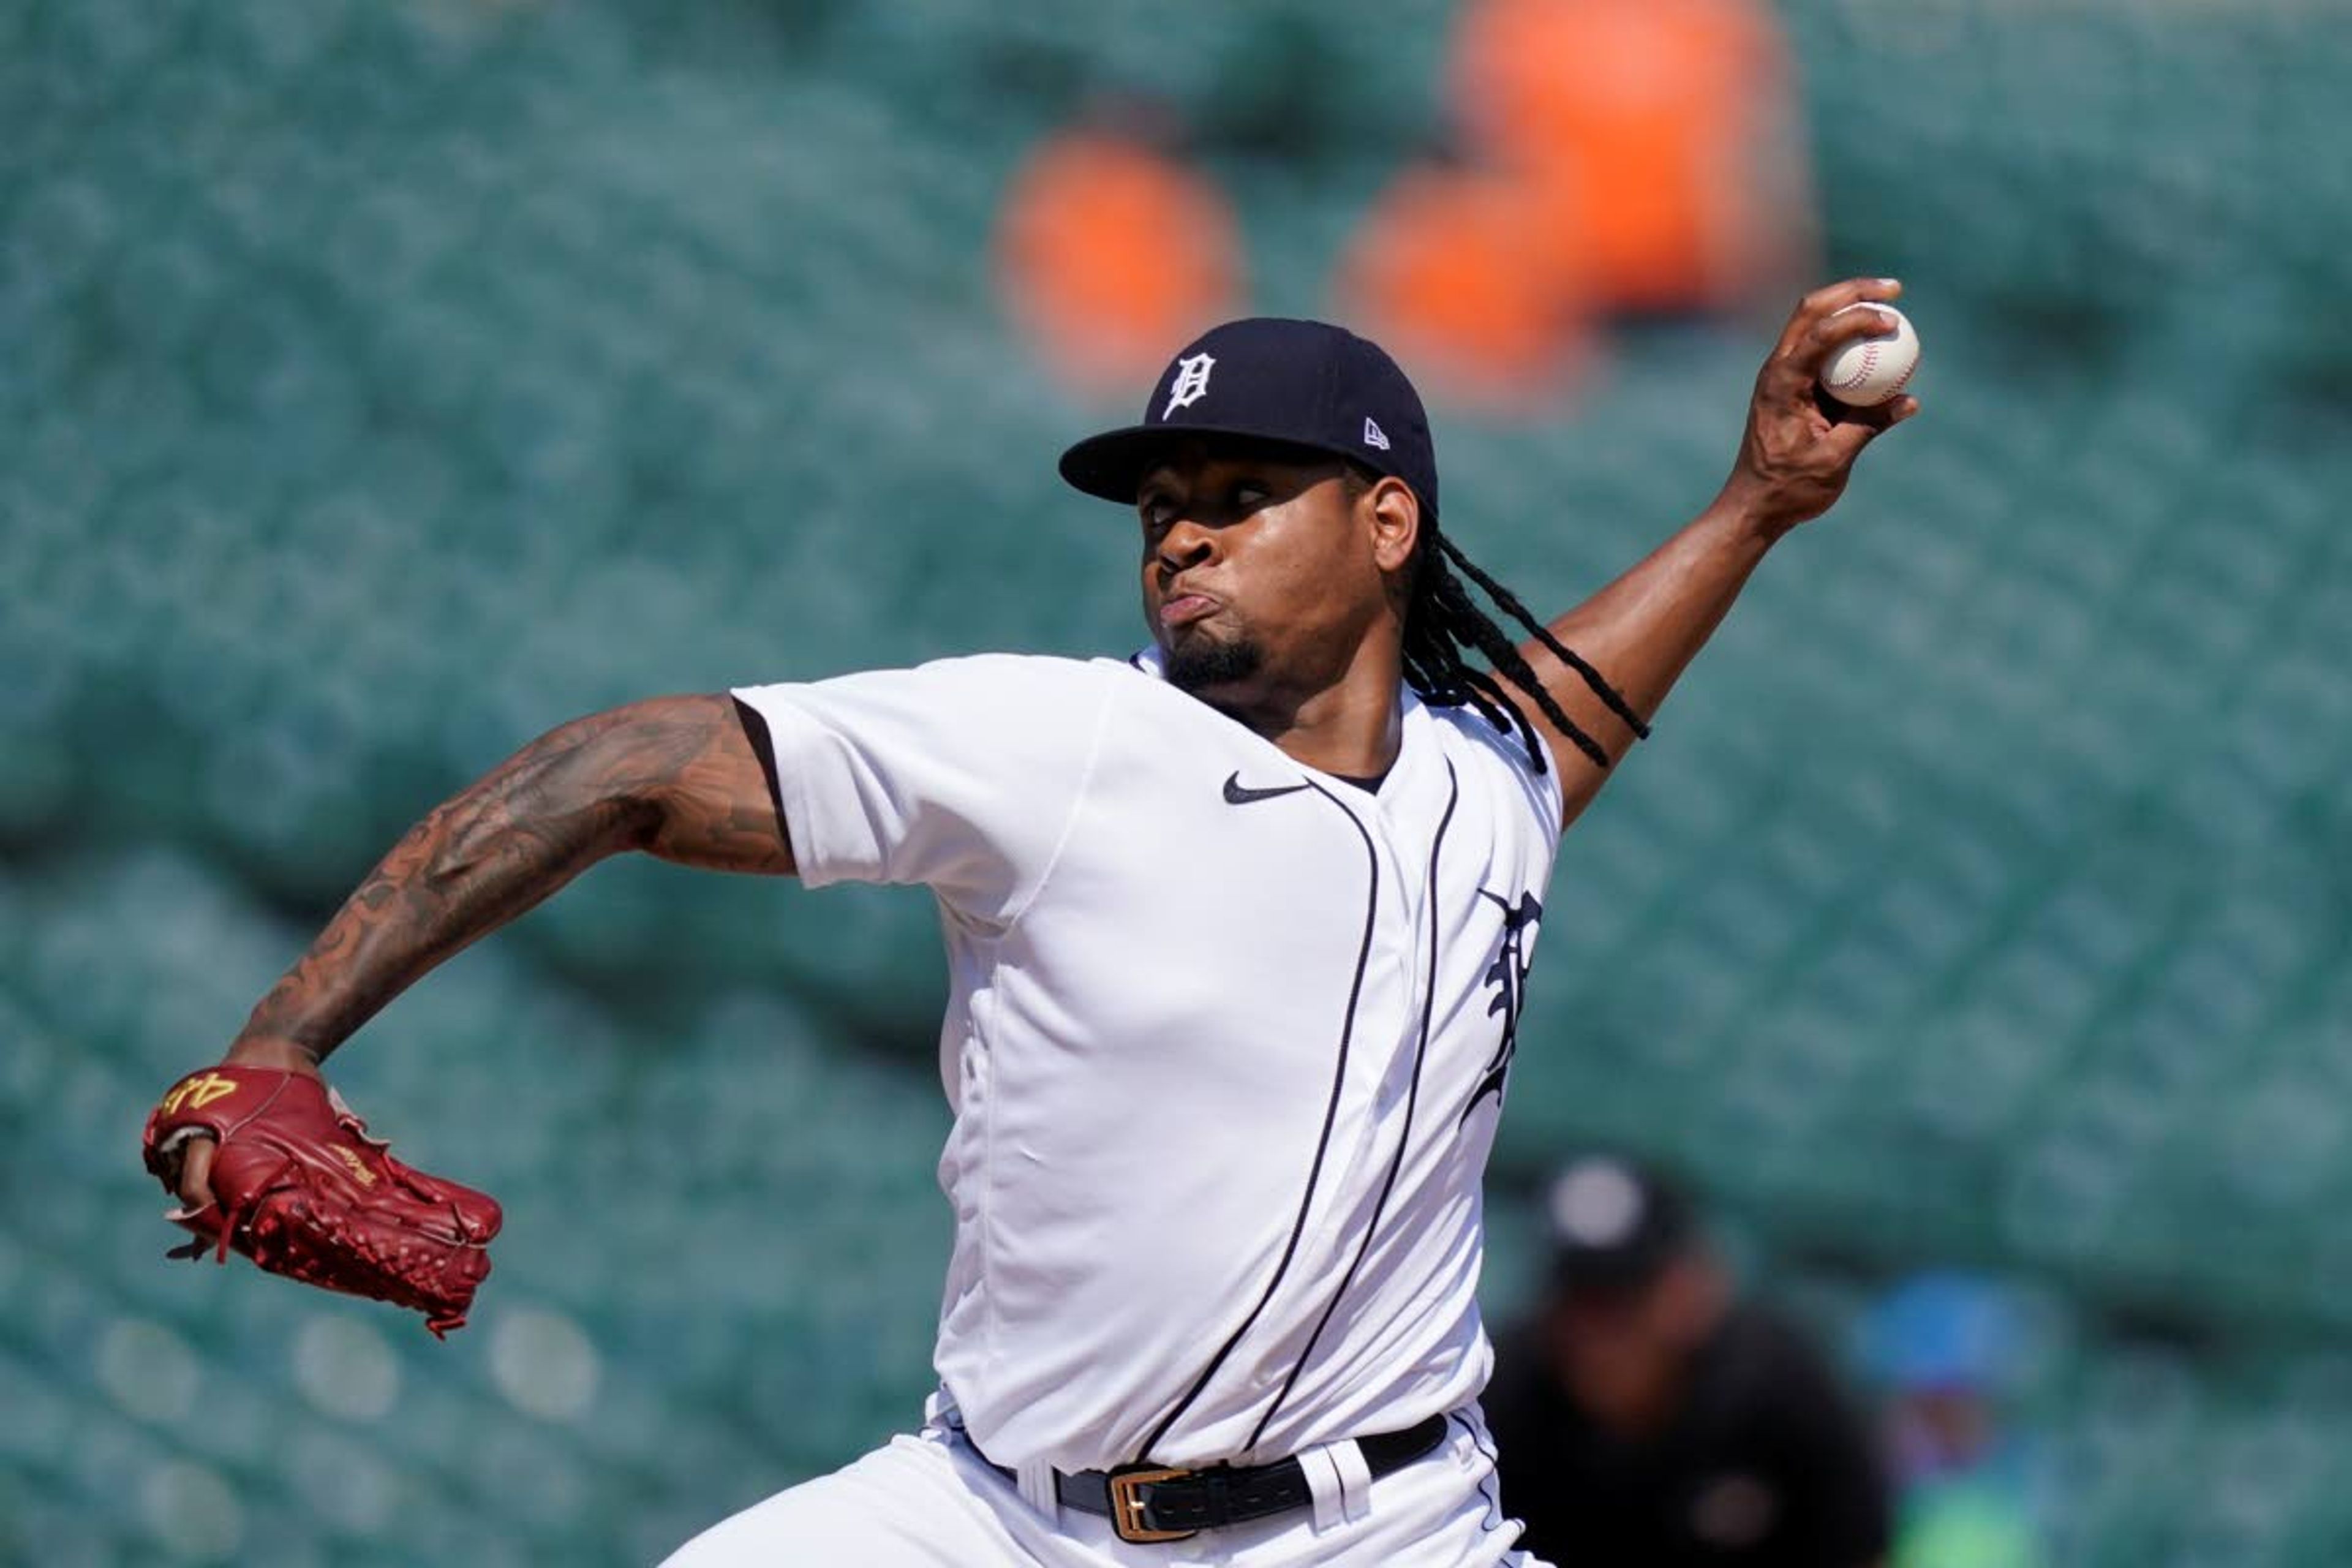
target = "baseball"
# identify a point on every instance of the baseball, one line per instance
(1866, 372)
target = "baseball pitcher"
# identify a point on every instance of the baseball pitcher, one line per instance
(1239, 932)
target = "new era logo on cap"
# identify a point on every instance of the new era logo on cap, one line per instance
(1299, 384)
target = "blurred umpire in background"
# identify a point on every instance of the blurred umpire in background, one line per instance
(1646, 1419)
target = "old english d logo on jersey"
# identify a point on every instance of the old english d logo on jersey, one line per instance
(1191, 385)
(1508, 975)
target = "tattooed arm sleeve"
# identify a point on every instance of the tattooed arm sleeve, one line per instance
(678, 777)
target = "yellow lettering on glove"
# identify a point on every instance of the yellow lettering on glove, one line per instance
(358, 1165)
(197, 1092)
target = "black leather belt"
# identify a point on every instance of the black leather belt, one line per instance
(1152, 1503)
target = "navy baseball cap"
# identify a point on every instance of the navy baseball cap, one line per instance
(1306, 383)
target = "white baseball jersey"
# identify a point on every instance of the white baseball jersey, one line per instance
(1226, 1042)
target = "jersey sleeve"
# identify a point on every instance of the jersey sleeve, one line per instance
(959, 775)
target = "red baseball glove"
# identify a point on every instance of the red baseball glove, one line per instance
(300, 1188)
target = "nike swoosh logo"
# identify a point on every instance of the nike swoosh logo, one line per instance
(1239, 793)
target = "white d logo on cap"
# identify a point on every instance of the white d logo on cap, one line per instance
(1192, 381)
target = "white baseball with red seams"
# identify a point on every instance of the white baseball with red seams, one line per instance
(1868, 371)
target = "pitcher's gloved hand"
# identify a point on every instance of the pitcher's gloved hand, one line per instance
(300, 1187)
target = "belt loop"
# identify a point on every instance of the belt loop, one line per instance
(1339, 1482)
(1323, 1487)
(1355, 1479)
(1035, 1481)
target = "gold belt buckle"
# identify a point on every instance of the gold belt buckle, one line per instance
(1129, 1517)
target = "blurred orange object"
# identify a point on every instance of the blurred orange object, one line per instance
(1443, 271)
(1110, 254)
(1656, 139)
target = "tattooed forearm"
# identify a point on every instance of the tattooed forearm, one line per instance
(674, 777)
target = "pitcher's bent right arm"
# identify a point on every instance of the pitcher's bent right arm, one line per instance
(677, 777)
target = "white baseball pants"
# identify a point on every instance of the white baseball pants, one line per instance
(929, 1502)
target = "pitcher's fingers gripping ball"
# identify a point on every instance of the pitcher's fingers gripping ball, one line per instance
(300, 1188)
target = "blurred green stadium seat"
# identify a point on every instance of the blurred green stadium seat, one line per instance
(388, 384)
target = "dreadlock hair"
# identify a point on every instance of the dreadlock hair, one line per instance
(1442, 624)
